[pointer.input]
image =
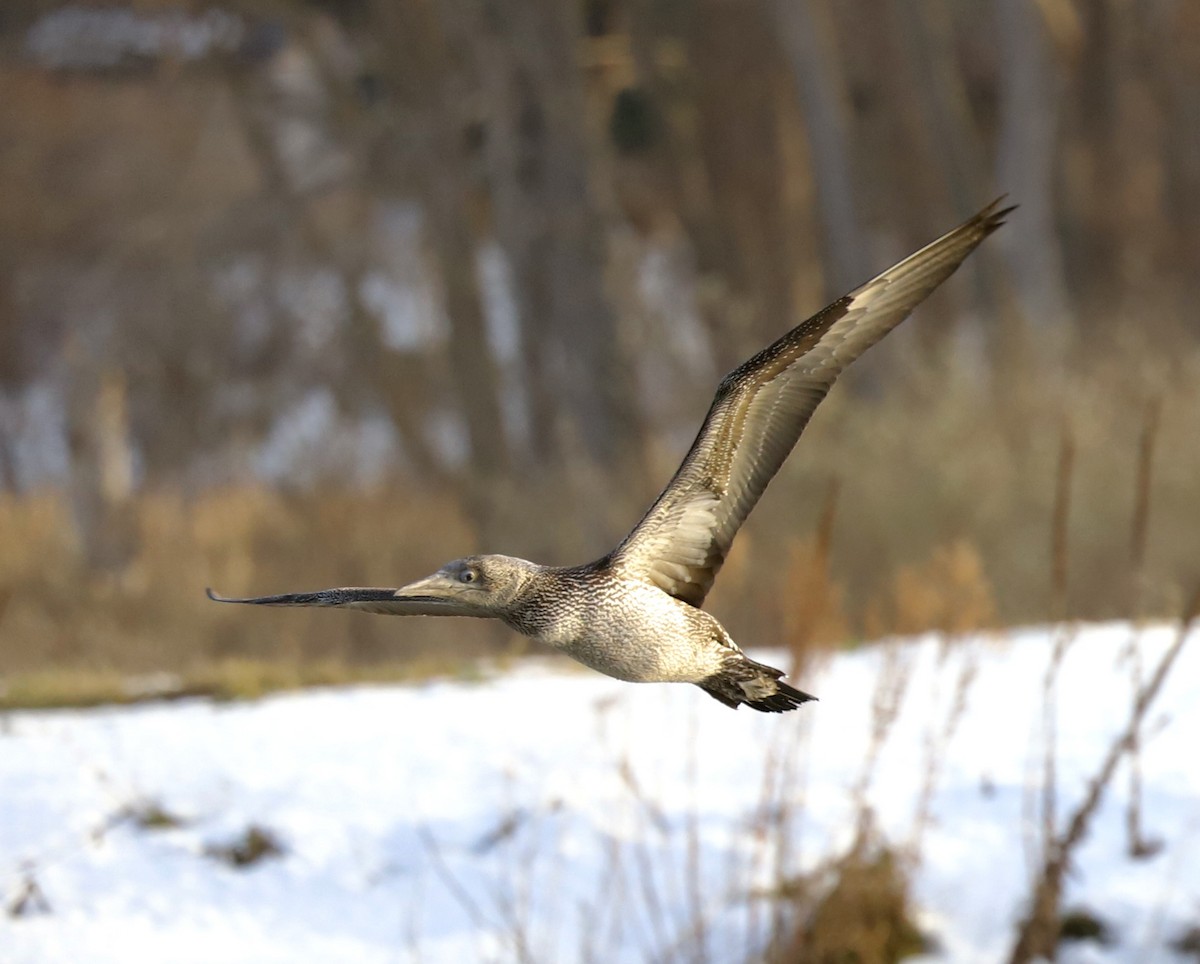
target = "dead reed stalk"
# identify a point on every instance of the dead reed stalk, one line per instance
(1063, 637)
(1060, 524)
(1038, 932)
(890, 688)
(936, 744)
(1140, 525)
(1138, 844)
(813, 612)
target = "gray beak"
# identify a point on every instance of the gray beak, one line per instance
(435, 587)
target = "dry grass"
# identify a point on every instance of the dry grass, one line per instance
(227, 679)
(815, 616)
(1038, 932)
(948, 592)
(79, 637)
(863, 914)
(945, 511)
(250, 847)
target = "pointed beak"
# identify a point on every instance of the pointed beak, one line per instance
(433, 588)
(440, 595)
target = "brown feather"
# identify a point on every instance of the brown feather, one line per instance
(760, 410)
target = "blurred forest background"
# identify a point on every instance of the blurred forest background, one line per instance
(298, 293)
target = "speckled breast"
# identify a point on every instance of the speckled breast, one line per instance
(627, 629)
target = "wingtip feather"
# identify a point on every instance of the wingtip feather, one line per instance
(992, 216)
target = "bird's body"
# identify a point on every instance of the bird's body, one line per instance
(635, 613)
(606, 620)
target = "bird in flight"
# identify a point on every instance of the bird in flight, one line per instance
(635, 613)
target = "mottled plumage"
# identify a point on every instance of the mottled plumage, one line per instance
(635, 614)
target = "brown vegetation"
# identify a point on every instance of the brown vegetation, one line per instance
(929, 533)
(252, 845)
(863, 915)
(583, 213)
(1041, 929)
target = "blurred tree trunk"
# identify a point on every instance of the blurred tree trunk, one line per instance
(957, 182)
(598, 386)
(947, 102)
(13, 369)
(423, 61)
(672, 50)
(951, 138)
(741, 90)
(726, 159)
(1180, 93)
(1137, 204)
(1031, 94)
(890, 67)
(329, 225)
(473, 370)
(1095, 252)
(808, 42)
(101, 486)
(544, 208)
(552, 230)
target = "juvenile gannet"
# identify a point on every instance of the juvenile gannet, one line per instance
(635, 613)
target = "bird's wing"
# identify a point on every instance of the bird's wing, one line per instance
(385, 602)
(760, 410)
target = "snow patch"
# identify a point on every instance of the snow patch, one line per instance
(537, 813)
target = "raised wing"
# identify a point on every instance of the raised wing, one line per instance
(385, 602)
(760, 410)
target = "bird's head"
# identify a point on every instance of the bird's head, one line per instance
(489, 584)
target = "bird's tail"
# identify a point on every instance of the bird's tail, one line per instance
(756, 685)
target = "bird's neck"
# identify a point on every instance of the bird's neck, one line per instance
(544, 607)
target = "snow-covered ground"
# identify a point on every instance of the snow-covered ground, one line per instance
(553, 815)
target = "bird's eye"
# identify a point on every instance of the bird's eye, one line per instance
(467, 575)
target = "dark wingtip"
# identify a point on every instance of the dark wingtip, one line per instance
(213, 596)
(786, 699)
(992, 218)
